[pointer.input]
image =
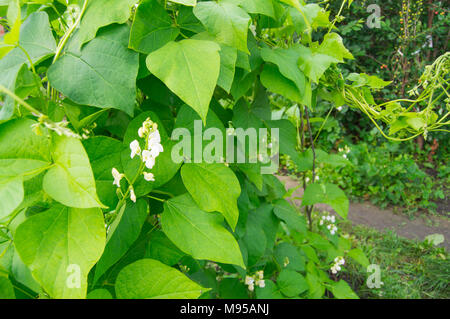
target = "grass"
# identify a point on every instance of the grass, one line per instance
(409, 269)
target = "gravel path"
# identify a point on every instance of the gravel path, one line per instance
(383, 219)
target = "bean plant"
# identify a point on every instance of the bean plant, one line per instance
(93, 203)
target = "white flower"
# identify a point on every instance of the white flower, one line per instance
(260, 274)
(141, 132)
(338, 261)
(149, 177)
(307, 179)
(339, 108)
(249, 280)
(148, 159)
(135, 148)
(261, 283)
(321, 222)
(317, 178)
(117, 177)
(155, 149)
(251, 287)
(132, 195)
(154, 138)
(333, 219)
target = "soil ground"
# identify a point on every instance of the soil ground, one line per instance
(382, 219)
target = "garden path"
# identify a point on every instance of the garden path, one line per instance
(383, 219)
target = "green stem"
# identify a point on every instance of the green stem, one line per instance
(22, 102)
(69, 32)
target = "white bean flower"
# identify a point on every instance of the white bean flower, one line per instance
(132, 195)
(117, 177)
(149, 132)
(256, 280)
(154, 138)
(155, 149)
(149, 177)
(135, 148)
(148, 159)
(250, 282)
(338, 262)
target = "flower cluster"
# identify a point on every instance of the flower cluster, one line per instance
(330, 222)
(338, 262)
(344, 150)
(149, 132)
(257, 279)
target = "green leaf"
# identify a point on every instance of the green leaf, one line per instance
(329, 194)
(162, 249)
(358, 255)
(228, 57)
(18, 141)
(291, 283)
(275, 82)
(198, 233)
(55, 243)
(270, 291)
(256, 6)
(288, 257)
(189, 68)
(122, 233)
(104, 154)
(23, 154)
(26, 168)
(287, 62)
(313, 63)
(100, 13)
(11, 195)
(71, 181)
(6, 287)
(371, 81)
(232, 288)
(286, 212)
(316, 287)
(152, 27)
(226, 22)
(151, 279)
(255, 241)
(332, 45)
(185, 2)
(99, 294)
(341, 290)
(214, 187)
(315, 15)
(103, 74)
(287, 137)
(264, 219)
(38, 45)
